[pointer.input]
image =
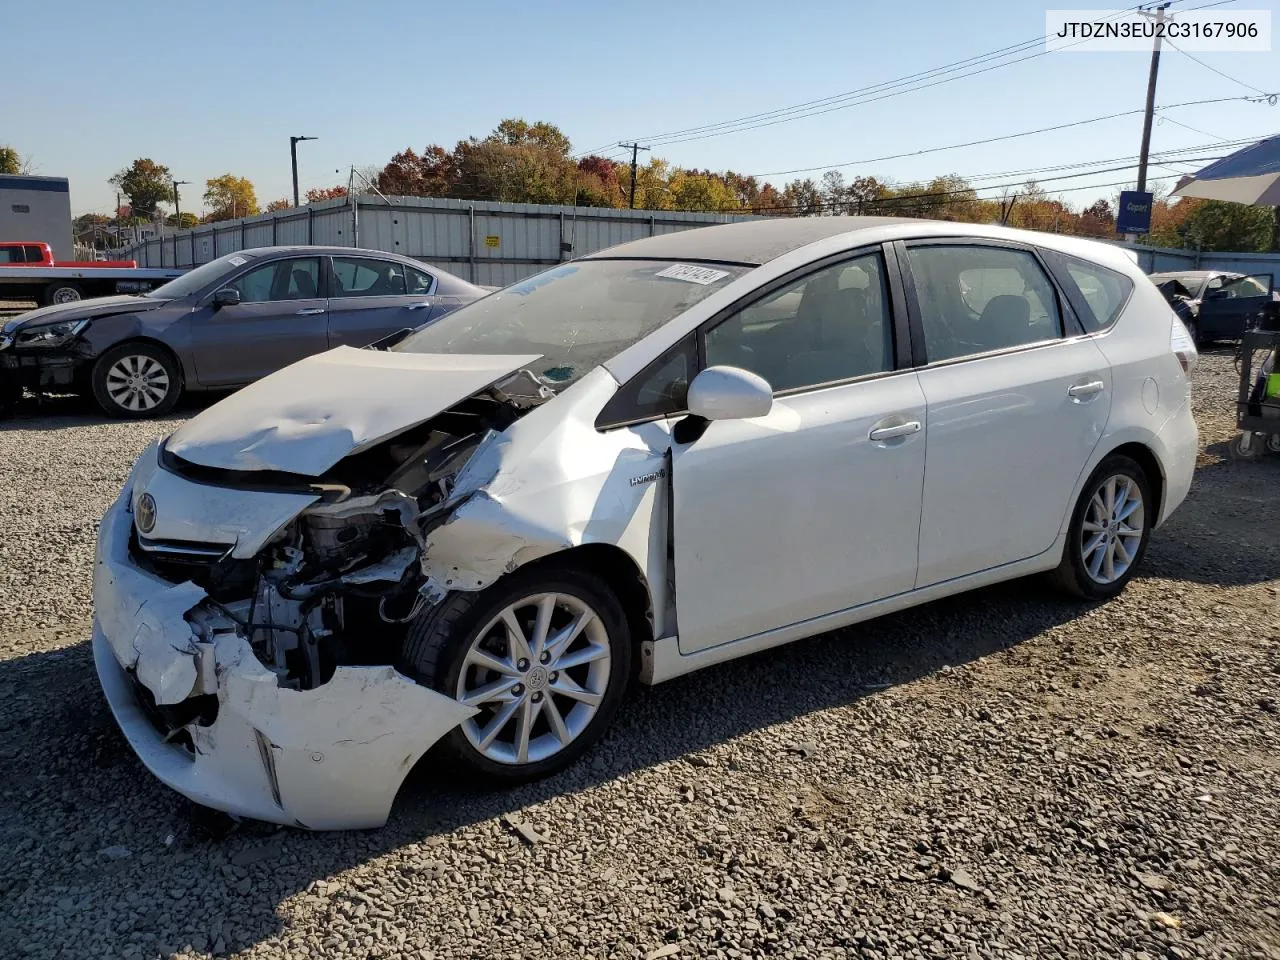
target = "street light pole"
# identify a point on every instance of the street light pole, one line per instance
(293, 156)
(177, 209)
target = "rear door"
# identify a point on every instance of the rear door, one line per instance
(1230, 305)
(1017, 398)
(370, 298)
(280, 319)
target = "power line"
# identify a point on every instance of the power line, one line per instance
(1187, 126)
(1225, 76)
(858, 96)
(987, 140)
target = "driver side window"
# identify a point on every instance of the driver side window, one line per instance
(280, 280)
(829, 326)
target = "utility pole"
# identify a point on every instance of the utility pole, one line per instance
(1151, 101)
(177, 209)
(635, 149)
(293, 156)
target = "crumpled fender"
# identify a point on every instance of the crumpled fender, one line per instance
(551, 483)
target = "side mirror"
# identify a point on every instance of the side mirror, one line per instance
(226, 297)
(729, 393)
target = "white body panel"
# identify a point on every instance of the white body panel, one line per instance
(809, 514)
(1006, 446)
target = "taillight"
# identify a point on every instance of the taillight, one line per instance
(1182, 345)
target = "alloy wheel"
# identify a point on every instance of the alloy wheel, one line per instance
(66, 295)
(137, 383)
(1111, 534)
(537, 673)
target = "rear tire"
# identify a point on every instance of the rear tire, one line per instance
(1109, 529)
(464, 649)
(62, 291)
(136, 381)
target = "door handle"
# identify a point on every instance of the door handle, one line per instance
(1085, 391)
(894, 432)
(309, 311)
(418, 306)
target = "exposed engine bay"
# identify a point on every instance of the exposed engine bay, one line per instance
(339, 584)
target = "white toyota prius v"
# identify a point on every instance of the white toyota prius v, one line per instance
(636, 464)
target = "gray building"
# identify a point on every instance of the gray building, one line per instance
(37, 208)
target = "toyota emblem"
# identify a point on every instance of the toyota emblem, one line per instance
(144, 513)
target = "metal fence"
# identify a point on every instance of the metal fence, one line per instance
(484, 242)
(499, 243)
(1164, 260)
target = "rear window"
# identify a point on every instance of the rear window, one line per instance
(1104, 291)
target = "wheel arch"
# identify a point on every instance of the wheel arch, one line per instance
(623, 575)
(1146, 458)
(151, 342)
(1140, 449)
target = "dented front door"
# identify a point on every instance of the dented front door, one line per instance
(799, 513)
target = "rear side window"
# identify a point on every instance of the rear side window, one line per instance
(982, 298)
(1104, 291)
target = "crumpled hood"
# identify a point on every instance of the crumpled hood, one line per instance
(95, 307)
(305, 418)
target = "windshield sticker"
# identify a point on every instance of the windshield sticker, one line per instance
(692, 274)
(237, 261)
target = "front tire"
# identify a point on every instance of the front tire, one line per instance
(545, 657)
(1109, 530)
(136, 381)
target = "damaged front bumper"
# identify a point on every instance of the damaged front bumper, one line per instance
(210, 720)
(39, 370)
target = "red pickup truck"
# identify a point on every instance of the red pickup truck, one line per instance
(28, 271)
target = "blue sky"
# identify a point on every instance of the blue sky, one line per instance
(215, 87)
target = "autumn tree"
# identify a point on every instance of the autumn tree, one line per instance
(280, 204)
(229, 197)
(802, 198)
(408, 174)
(1097, 220)
(10, 161)
(701, 190)
(147, 184)
(316, 194)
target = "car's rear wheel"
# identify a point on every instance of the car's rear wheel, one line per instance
(1109, 530)
(544, 657)
(135, 381)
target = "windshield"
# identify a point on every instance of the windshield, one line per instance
(576, 316)
(200, 277)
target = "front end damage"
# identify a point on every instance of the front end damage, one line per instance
(249, 623)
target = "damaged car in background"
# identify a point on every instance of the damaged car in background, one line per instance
(656, 458)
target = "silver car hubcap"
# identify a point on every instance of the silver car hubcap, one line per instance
(1113, 525)
(137, 383)
(65, 295)
(537, 673)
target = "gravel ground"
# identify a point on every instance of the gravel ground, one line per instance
(1006, 774)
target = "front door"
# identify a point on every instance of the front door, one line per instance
(280, 319)
(372, 298)
(1231, 305)
(814, 508)
(1015, 407)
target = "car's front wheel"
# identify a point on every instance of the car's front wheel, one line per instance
(1109, 530)
(135, 381)
(544, 656)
